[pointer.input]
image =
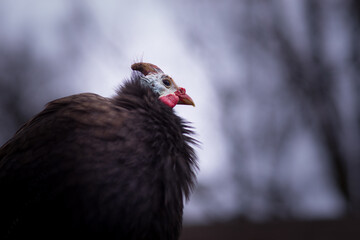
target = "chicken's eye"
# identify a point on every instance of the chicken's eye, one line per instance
(166, 82)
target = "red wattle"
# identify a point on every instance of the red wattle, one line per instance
(171, 100)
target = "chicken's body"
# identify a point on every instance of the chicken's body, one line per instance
(98, 168)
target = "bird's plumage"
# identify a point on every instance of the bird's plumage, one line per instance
(95, 167)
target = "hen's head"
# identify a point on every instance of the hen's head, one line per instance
(162, 84)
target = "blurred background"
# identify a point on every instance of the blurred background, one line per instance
(276, 84)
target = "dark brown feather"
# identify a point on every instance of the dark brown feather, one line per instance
(93, 167)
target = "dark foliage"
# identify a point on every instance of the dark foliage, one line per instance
(279, 230)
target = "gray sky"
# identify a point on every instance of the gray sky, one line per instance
(122, 32)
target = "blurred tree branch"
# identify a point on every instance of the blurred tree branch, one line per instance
(309, 83)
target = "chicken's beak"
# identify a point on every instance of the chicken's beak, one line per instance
(183, 97)
(186, 100)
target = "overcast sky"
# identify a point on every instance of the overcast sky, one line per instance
(118, 33)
